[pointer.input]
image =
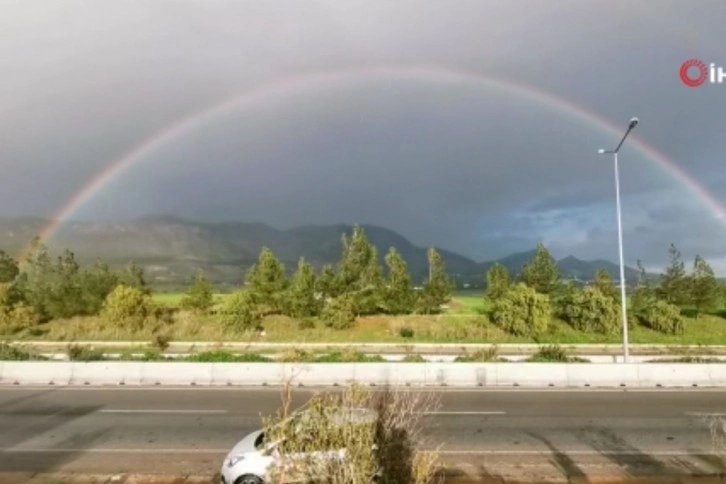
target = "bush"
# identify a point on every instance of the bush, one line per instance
(304, 324)
(413, 358)
(127, 307)
(345, 356)
(18, 318)
(349, 356)
(4, 296)
(481, 356)
(148, 355)
(661, 316)
(161, 342)
(84, 353)
(339, 313)
(226, 357)
(164, 314)
(591, 311)
(554, 354)
(13, 353)
(296, 356)
(688, 359)
(522, 311)
(406, 332)
(240, 313)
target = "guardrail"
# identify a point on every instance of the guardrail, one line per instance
(387, 348)
(537, 375)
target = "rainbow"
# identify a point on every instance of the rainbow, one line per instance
(307, 82)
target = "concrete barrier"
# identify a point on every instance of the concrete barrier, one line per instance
(487, 375)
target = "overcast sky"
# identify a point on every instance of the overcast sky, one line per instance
(482, 170)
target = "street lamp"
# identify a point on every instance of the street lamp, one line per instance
(623, 302)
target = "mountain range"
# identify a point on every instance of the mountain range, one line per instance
(172, 249)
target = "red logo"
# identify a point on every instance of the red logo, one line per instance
(697, 80)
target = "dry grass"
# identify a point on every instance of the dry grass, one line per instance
(370, 435)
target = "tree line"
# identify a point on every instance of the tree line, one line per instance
(43, 288)
(356, 286)
(525, 304)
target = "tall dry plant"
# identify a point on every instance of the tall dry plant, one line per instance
(354, 436)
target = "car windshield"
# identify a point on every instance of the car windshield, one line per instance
(260, 441)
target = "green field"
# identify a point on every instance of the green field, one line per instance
(173, 299)
(465, 321)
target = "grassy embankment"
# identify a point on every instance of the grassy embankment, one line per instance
(466, 320)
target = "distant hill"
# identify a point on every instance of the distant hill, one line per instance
(171, 249)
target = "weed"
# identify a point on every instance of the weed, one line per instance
(226, 357)
(413, 358)
(406, 332)
(296, 356)
(349, 357)
(688, 359)
(84, 353)
(13, 353)
(161, 341)
(486, 355)
(554, 354)
(306, 324)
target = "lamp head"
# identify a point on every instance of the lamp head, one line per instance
(633, 122)
(601, 151)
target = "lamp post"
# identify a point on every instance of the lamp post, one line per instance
(623, 302)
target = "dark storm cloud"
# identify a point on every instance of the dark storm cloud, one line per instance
(474, 170)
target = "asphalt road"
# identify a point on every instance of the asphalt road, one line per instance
(540, 435)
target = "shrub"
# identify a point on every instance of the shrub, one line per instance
(296, 356)
(127, 307)
(406, 332)
(591, 311)
(20, 317)
(226, 357)
(481, 356)
(13, 353)
(164, 314)
(661, 316)
(522, 311)
(84, 353)
(554, 354)
(147, 355)
(161, 341)
(339, 313)
(304, 324)
(240, 313)
(413, 358)
(4, 295)
(688, 359)
(349, 356)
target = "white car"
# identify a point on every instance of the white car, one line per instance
(253, 460)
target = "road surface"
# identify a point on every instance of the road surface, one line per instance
(537, 435)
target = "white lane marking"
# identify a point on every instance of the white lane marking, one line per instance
(706, 414)
(161, 411)
(672, 453)
(466, 413)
